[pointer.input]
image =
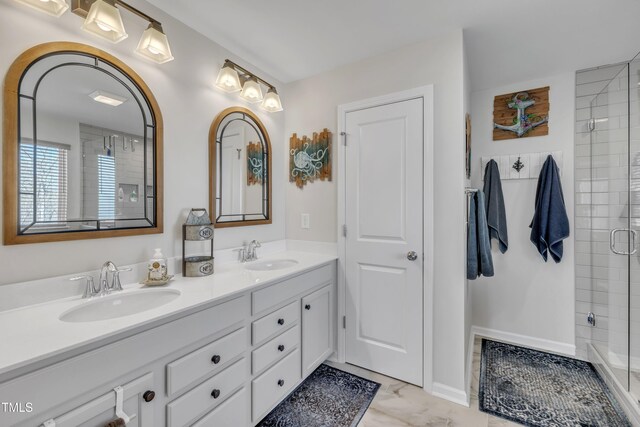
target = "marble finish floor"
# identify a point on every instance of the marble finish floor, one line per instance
(400, 404)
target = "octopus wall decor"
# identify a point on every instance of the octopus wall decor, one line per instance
(310, 158)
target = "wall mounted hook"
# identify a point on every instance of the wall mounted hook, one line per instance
(518, 165)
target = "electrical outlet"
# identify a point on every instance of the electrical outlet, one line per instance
(305, 221)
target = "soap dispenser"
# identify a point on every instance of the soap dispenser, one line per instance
(157, 266)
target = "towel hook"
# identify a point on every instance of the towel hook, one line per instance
(518, 165)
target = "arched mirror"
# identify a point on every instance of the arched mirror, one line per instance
(239, 169)
(82, 147)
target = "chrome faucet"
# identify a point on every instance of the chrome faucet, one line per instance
(115, 285)
(104, 287)
(248, 253)
(252, 255)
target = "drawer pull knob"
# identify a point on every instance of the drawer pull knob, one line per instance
(281, 321)
(215, 359)
(215, 393)
(280, 383)
(280, 347)
(149, 395)
(307, 307)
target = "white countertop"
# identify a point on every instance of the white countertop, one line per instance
(33, 336)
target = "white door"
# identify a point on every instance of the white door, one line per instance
(384, 248)
(233, 174)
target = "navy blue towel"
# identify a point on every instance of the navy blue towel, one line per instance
(494, 205)
(479, 259)
(550, 224)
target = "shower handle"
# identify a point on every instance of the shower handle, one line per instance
(612, 241)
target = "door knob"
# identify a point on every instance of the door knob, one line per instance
(412, 255)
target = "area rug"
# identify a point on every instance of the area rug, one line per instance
(328, 397)
(544, 390)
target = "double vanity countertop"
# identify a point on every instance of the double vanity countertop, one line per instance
(34, 336)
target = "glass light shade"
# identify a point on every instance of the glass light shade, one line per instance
(104, 21)
(228, 79)
(271, 101)
(51, 7)
(154, 45)
(251, 90)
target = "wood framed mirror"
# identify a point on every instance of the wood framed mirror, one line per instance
(82, 155)
(239, 169)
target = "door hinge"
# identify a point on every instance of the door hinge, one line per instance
(344, 230)
(344, 138)
(591, 319)
(344, 322)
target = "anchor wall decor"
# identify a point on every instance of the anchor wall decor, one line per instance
(310, 158)
(521, 114)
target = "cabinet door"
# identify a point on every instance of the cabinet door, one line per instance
(137, 403)
(317, 328)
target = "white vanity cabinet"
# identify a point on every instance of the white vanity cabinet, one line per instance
(227, 364)
(317, 328)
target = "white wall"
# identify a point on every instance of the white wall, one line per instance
(184, 89)
(312, 105)
(527, 296)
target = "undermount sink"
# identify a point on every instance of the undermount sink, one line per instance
(274, 264)
(119, 304)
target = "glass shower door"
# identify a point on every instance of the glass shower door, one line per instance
(612, 236)
(634, 215)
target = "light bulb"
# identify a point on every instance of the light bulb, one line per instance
(102, 26)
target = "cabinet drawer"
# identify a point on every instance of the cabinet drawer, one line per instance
(208, 359)
(275, 322)
(274, 384)
(232, 412)
(274, 349)
(201, 399)
(273, 295)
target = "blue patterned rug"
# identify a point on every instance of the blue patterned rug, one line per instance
(327, 398)
(540, 389)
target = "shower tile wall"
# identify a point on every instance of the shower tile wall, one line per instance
(601, 195)
(128, 174)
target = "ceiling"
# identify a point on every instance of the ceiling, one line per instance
(507, 41)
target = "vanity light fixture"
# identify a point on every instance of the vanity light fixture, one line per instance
(107, 98)
(104, 20)
(51, 7)
(228, 79)
(154, 44)
(272, 101)
(251, 90)
(233, 78)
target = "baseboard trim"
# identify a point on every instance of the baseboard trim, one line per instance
(525, 341)
(449, 393)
